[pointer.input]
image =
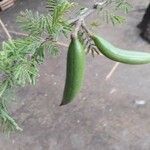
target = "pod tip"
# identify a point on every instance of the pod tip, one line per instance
(63, 103)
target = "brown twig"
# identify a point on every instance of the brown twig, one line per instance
(62, 44)
(24, 34)
(18, 33)
(5, 29)
(112, 71)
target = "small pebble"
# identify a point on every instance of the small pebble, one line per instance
(84, 98)
(13, 141)
(103, 107)
(140, 102)
(112, 91)
(55, 83)
(96, 74)
(104, 125)
(52, 75)
(22, 103)
(110, 110)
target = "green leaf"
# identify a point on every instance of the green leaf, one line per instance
(52, 48)
(95, 24)
(123, 5)
(8, 124)
(3, 87)
(39, 54)
(34, 24)
(115, 19)
(24, 73)
(52, 4)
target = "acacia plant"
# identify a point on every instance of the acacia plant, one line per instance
(20, 57)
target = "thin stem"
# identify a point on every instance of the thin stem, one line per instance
(62, 44)
(99, 4)
(77, 28)
(5, 29)
(80, 19)
(24, 34)
(88, 12)
(86, 29)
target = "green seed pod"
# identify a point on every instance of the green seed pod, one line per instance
(75, 71)
(120, 55)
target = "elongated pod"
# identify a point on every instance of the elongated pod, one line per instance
(75, 71)
(120, 55)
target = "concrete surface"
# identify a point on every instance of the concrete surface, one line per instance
(107, 115)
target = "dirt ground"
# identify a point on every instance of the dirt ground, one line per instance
(108, 114)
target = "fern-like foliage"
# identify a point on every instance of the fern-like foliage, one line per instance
(110, 11)
(7, 123)
(34, 23)
(123, 5)
(52, 48)
(113, 18)
(52, 4)
(19, 58)
(59, 24)
(52, 24)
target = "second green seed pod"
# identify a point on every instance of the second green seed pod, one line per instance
(120, 55)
